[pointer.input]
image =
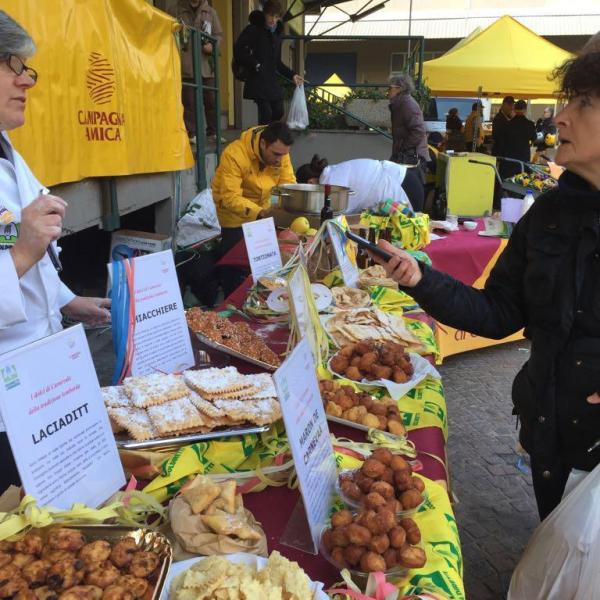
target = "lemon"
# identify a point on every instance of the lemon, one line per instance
(310, 232)
(300, 225)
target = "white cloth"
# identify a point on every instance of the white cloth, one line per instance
(30, 306)
(372, 181)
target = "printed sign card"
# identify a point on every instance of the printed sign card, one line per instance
(262, 247)
(344, 249)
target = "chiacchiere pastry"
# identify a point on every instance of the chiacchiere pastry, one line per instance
(157, 388)
(210, 383)
(136, 421)
(175, 415)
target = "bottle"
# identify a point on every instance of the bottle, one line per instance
(326, 211)
(527, 202)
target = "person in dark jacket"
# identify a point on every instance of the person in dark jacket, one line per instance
(543, 127)
(500, 133)
(547, 280)
(259, 49)
(409, 144)
(520, 134)
(454, 131)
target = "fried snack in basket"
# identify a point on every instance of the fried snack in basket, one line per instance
(347, 298)
(375, 276)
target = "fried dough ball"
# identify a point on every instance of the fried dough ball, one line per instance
(399, 376)
(136, 585)
(36, 572)
(359, 535)
(372, 468)
(378, 409)
(343, 401)
(64, 574)
(326, 385)
(143, 563)
(418, 484)
(65, 539)
(348, 351)
(383, 455)
(353, 554)
(351, 490)
(82, 592)
(353, 373)
(22, 560)
(339, 363)
(374, 500)
(394, 505)
(54, 556)
(399, 464)
(413, 533)
(123, 552)
(25, 594)
(381, 371)
(412, 557)
(379, 543)
(333, 409)
(326, 540)
(102, 575)
(339, 537)
(383, 422)
(371, 562)
(370, 421)
(355, 414)
(5, 558)
(397, 537)
(373, 523)
(30, 544)
(337, 556)
(391, 558)
(341, 518)
(386, 519)
(384, 489)
(388, 476)
(411, 499)
(354, 362)
(10, 587)
(396, 427)
(402, 481)
(45, 593)
(367, 361)
(362, 348)
(117, 592)
(97, 551)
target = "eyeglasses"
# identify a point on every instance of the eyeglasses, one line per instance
(18, 67)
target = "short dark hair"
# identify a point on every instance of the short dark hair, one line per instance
(277, 131)
(476, 106)
(520, 105)
(273, 7)
(508, 100)
(580, 75)
(312, 170)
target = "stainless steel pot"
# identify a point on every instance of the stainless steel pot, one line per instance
(308, 198)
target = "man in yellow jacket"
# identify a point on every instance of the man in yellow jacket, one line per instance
(248, 170)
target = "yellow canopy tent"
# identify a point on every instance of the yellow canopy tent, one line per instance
(506, 58)
(334, 85)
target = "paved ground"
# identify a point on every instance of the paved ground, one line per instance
(496, 509)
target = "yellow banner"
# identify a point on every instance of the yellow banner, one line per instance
(108, 98)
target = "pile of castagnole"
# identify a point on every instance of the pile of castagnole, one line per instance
(376, 539)
(360, 407)
(370, 360)
(384, 480)
(63, 566)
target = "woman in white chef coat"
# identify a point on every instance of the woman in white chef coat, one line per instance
(33, 297)
(372, 181)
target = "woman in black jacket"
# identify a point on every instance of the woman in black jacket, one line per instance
(258, 49)
(548, 281)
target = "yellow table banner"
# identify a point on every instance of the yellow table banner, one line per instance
(108, 98)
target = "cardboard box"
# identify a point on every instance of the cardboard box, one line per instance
(129, 243)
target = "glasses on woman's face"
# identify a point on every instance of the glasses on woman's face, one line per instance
(18, 67)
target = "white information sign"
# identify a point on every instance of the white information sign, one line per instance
(301, 296)
(308, 434)
(344, 249)
(56, 422)
(262, 247)
(161, 339)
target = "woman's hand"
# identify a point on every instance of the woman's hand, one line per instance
(594, 398)
(93, 311)
(402, 267)
(298, 80)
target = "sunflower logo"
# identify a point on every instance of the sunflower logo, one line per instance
(100, 79)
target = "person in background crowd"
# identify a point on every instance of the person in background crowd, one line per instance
(409, 144)
(203, 17)
(543, 127)
(500, 135)
(248, 170)
(474, 128)
(520, 134)
(547, 280)
(259, 49)
(372, 181)
(454, 131)
(33, 297)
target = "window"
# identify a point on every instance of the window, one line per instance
(398, 60)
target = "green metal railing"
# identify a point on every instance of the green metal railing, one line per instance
(197, 38)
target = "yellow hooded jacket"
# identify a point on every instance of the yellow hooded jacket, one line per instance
(242, 184)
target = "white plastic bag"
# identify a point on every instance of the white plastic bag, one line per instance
(199, 222)
(562, 557)
(298, 113)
